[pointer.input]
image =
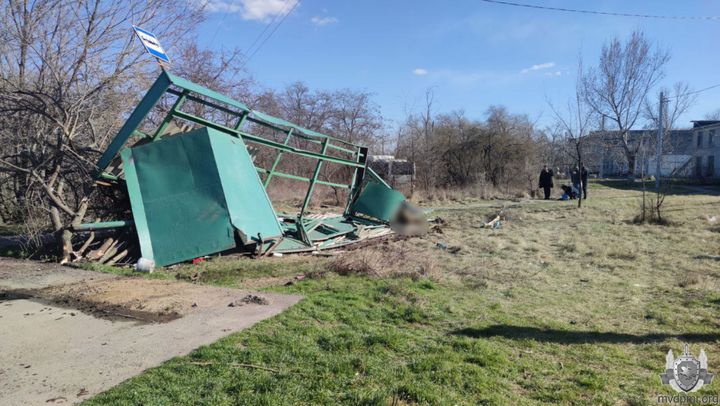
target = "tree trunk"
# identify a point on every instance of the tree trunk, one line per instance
(632, 159)
(63, 236)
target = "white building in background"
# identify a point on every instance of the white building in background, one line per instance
(693, 152)
(671, 165)
(706, 147)
(606, 154)
(397, 172)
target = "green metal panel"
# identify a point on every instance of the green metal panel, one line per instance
(181, 198)
(378, 201)
(136, 204)
(250, 209)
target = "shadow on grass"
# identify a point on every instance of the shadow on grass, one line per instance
(674, 187)
(577, 337)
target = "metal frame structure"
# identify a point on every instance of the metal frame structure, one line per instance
(242, 117)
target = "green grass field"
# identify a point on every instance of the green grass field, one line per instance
(562, 306)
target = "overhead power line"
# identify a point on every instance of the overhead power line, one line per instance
(249, 49)
(703, 89)
(693, 92)
(607, 13)
(297, 2)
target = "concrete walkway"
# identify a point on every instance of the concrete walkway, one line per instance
(55, 354)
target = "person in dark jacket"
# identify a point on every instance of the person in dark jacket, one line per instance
(546, 181)
(575, 179)
(584, 178)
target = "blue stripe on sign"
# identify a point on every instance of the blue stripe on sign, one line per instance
(159, 55)
(145, 32)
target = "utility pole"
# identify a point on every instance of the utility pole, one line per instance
(659, 143)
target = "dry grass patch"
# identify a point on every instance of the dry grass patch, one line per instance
(388, 261)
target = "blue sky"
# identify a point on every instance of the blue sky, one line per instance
(471, 53)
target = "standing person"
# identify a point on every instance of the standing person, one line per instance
(546, 181)
(575, 179)
(584, 178)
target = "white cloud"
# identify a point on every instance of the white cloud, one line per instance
(260, 10)
(420, 72)
(554, 74)
(540, 66)
(320, 21)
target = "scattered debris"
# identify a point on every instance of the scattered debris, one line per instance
(250, 299)
(708, 257)
(453, 249)
(435, 225)
(495, 223)
(437, 220)
(83, 392)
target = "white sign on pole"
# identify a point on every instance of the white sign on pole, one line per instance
(151, 44)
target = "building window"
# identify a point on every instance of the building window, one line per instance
(699, 139)
(710, 171)
(698, 166)
(711, 136)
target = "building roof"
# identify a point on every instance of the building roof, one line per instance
(703, 123)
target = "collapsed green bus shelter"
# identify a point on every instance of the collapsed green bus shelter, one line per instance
(199, 192)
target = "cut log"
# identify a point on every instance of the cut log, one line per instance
(110, 252)
(96, 254)
(122, 254)
(81, 252)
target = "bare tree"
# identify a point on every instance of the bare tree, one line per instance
(715, 115)
(573, 124)
(217, 70)
(69, 70)
(678, 101)
(451, 150)
(618, 86)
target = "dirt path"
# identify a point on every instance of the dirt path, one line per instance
(67, 334)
